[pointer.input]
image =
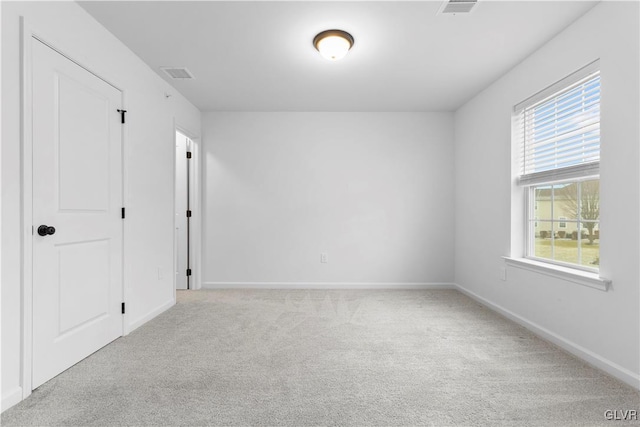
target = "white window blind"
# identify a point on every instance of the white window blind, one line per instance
(558, 130)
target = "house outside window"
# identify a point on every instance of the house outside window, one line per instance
(558, 134)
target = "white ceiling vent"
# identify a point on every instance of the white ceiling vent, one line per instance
(458, 6)
(177, 73)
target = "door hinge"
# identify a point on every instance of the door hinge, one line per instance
(189, 214)
(122, 213)
(122, 113)
(188, 272)
(188, 154)
(122, 308)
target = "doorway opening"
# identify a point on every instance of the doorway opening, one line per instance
(183, 212)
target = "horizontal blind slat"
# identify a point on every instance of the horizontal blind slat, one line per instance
(566, 161)
(579, 114)
(589, 152)
(564, 132)
(557, 113)
(562, 174)
(587, 140)
(577, 141)
(561, 131)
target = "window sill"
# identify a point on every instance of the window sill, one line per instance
(585, 278)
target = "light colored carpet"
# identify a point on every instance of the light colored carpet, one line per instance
(301, 357)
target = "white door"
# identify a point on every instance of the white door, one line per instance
(182, 205)
(77, 189)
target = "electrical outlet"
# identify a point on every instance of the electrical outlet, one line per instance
(324, 257)
(503, 274)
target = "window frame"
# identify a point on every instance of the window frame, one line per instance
(582, 172)
(531, 218)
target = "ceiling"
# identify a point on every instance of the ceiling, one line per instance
(258, 56)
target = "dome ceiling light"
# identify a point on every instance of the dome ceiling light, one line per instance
(333, 44)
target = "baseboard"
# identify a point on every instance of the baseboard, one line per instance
(325, 285)
(144, 319)
(11, 398)
(588, 356)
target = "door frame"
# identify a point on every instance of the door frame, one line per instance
(27, 36)
(195, 240)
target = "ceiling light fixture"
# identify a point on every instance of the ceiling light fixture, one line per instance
(333, 44)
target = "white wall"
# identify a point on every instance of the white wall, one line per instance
(373, 190)
(602, 327)
(149, 151)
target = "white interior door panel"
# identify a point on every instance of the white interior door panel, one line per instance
(77, 190)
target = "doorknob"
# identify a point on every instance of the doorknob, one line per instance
(45, 230)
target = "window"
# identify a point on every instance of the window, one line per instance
(562, 224)
(558, 134)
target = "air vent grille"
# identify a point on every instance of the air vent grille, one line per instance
(458, 6)
(177, 73)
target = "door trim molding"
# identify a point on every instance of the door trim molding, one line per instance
(26, 193)
(27, 35)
